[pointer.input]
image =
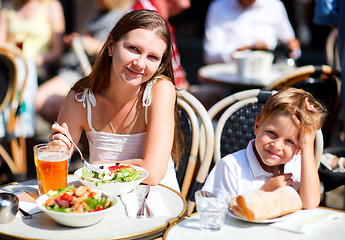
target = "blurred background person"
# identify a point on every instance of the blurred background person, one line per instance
(36, 26)
(52, 93)
(332, 13)
(247, 24)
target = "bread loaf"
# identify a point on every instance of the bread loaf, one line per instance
(259, 205)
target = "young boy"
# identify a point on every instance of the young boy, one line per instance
(282, 154)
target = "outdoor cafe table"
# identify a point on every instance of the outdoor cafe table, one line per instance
(234, 229)
(226, 74)
(115, 225)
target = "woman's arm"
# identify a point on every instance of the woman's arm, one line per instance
(160, 132)
(57, 21)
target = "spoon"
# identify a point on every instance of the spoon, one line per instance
(25, 214)
(85, 163)
(8, 202)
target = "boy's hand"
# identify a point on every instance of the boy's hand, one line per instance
(307, 134)
(278, 181)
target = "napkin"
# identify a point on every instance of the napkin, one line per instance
(27, 202)
(305, 221)
(154, 201)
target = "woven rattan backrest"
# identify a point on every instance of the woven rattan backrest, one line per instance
(238, 121)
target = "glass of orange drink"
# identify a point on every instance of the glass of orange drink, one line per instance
(51, 166)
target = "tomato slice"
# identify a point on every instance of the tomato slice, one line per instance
(92, 194)
(67, 197)
(112, 168)
(100, 207)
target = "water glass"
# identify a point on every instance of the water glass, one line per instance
(211, 211)
(51, 166)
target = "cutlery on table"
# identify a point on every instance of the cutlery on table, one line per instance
(148, 211)
(85, 163)
(25, 214)
(143, 206)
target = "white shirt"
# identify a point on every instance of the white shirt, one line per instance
(240, 172)
(229, 26)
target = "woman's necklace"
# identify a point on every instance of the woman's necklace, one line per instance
(108, 116)
(107, 113)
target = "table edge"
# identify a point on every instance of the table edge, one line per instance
(157, 232)
(193, 214)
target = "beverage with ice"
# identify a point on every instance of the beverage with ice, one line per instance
(51, 166)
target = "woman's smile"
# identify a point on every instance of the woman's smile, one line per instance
(135, 73)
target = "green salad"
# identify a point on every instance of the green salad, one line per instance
(114, 174)
(76, 200)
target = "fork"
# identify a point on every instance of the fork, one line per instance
(144, 206)
(85, 163)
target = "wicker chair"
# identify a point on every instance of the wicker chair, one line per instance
(193, 167)
(11, 98)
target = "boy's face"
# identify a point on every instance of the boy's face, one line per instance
(276, 140)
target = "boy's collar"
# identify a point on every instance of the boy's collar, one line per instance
(254, 165)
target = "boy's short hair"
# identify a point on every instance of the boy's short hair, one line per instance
(292, 101)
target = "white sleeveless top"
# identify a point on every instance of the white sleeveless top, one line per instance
(115, 147)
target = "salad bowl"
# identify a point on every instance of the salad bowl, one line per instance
(78, 219)
(130, 176)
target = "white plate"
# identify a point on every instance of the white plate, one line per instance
(271, 220)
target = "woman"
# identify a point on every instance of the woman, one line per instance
(113, 104)
(37, 26)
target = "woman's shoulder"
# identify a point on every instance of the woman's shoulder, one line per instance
(71, 106)
(72, 98)
(163, 83)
